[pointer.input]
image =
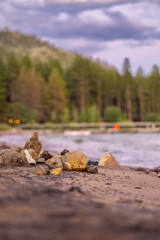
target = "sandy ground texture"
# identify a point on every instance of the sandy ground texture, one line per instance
(112, 205)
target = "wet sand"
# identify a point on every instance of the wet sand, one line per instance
(114, 204)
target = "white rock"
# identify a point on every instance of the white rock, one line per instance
(29, 157)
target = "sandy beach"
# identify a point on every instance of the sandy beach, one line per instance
(114, 204)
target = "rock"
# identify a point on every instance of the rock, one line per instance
(92, 169)
(1, 160)
(40, 160)
(156, 169)
(67, 166)
(56, 171)
(34, 143)
(77, 160)
(30, 160)
(64, 152)
(158, 175)
(54, 163)
(40, 171)
(19, 149)
(141, 169)
(18, 158)
(109, 161)
(9, 156)
(154, 174)
(33, 153)
(46, 155)
(76, 190)
(6, 156)
(90, 162)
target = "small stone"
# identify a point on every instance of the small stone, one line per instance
(141, 169)
(108, 183)
(76, 190)
(156, 169)
(33, 153)
(6, 156)
(92, 169)
(54, 163)
(109, 161)
(158, 175)
(29, 158)
(40, 160)
(77, 160)
(34, 143)
(154, 174)
(64, 152)
(90, 162)
(67, 166)
(137, 187)
(1, 160)
(56, 172)
(46, 155)
(40, 171)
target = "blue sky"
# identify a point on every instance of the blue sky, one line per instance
(106, 29)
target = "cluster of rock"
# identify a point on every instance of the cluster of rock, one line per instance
(154, 172)
(66, 161)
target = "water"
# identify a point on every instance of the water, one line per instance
(130, 149)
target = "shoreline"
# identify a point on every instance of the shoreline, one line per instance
(113, 204)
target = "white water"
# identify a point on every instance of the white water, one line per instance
(130, 149)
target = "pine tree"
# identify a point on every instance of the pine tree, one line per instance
(57, 89)
(128, 97)
(3, 103)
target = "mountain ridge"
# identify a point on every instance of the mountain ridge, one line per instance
(20, 44)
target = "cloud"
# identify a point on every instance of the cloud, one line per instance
(86, 26)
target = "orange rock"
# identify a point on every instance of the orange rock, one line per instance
(56, 172)
(109, 161)
(77, 160)
(40, 171)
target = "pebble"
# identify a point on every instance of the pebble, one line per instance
(154, 174)
(56, 172)
(46, 155)
(40, 171)
(158, 175)
(92, 169)
(40, 160)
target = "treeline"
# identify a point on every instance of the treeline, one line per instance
(36, 91)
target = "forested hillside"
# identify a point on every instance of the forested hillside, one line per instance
(21, 45)
(34, 89)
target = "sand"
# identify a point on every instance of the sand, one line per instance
(114, 204)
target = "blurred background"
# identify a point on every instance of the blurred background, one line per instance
(79, 61)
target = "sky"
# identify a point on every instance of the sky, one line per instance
(106, 29)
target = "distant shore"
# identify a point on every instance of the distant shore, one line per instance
(101, 127)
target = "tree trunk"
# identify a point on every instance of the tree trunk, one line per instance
(128, 101)
(99, 98)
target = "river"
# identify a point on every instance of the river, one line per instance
(130, 149)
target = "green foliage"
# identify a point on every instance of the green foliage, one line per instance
(18, 110)
(61, 87)
(90, 114)
(152, 117)
(4, 127)
(3, 102)
(66, 116)
(113, 114)
(57, 93)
